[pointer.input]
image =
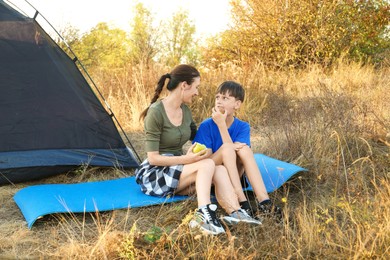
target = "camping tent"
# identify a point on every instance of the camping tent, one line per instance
(51, 121)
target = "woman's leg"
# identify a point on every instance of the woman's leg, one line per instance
(253, 173)
(226, 155)
(201, 173)
(224, 190)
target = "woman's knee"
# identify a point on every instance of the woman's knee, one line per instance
(207, 164)
(221, 174)
(221, 170)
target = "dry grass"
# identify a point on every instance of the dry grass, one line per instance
(336, 123)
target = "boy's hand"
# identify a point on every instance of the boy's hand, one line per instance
(238, 146)
(219, 117)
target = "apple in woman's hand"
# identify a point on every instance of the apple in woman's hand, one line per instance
(198, 147)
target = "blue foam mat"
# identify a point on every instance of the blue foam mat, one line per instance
(40, 200)
(274, 172)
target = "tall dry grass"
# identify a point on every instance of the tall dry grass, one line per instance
(334, 122)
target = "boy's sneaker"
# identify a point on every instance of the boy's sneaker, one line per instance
(245, 205)
(240, 215)
(206, 219)
(268, 209)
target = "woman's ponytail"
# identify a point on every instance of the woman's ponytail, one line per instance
(157, 92)
(179, 74)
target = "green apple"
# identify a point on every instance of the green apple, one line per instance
(198, 147)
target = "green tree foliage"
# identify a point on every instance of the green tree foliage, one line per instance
(179, 44)
(103, 47)
(70, 36)
(297, 32)
(106, 48)
(144, 37)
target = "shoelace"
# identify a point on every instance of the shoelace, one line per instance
(207, 214)
(211, 215)
(243, 211)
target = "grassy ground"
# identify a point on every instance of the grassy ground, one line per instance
(336, 123)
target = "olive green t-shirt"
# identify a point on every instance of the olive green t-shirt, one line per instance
(162, 135)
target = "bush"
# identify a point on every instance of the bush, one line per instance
(295, 33)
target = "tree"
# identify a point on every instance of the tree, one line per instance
(179, 45)
(297, 32)
(70, 36)
(102, 47)
(144, 38)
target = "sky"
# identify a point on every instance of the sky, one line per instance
(209, 16)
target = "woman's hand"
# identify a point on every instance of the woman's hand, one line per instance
(194, 157)
(155, 158)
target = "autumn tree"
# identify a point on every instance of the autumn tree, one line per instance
(297, 32)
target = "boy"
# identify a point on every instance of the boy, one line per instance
(229, 141)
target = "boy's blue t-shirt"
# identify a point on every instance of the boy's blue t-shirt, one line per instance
(208, 133)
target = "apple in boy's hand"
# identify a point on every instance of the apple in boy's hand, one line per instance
(198, 147)
(221, 109)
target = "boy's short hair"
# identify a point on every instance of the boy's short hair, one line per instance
(233, 88)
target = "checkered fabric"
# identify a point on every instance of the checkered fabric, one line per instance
(158, 180)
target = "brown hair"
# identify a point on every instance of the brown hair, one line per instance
(233, 88)
(179, 74)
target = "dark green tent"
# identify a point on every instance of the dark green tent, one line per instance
(51, 121)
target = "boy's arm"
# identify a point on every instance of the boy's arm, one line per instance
(223, 130)
(241, 136)
(220, 121)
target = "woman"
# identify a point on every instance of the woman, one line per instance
(168, 125)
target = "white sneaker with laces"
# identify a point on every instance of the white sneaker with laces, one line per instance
(206, 219)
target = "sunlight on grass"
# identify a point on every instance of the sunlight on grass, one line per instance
(334, 122)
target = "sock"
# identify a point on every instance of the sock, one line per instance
(264, 202)
(245, 205)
